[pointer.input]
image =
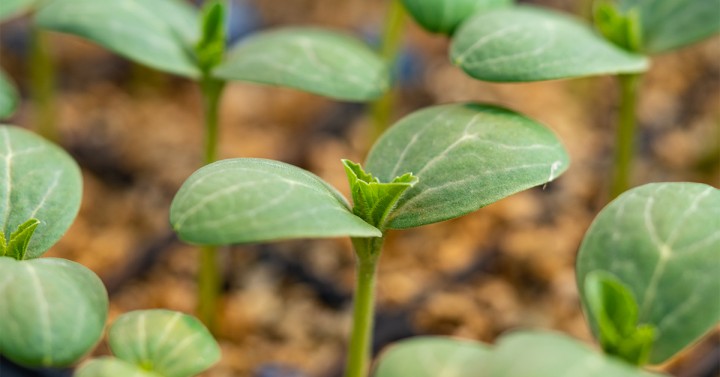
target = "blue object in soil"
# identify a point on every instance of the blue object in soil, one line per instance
(277, 370)
(243, 20)
(409, 65)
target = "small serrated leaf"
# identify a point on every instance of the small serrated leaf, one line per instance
(210, 49)
(623, 29)
(19, 240)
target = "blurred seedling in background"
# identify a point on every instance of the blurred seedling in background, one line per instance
(647, 276)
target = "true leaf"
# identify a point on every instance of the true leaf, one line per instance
(169, 343)
(444, 16)
(211, 47)
(465, 156)
(434, 357)
(623, 29)
(52, 311)
(253, 200)
(662, 241)
(524, 43)
(8, 96)
(157, 33)
(12, 8)
(19, 240)
(37, 180)
(671, 24)
(112, 367)
(313, 60)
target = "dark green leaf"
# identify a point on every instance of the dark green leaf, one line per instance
(210, 50)
(444, 16)
(434, 357)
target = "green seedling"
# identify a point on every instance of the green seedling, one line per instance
(444, 16)
(436, 164)
(647, 275)
(155, 343)
(54, 310)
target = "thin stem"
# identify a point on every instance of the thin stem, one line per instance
(367, 252)
(624, 148)
(381, 109)
(42, 85)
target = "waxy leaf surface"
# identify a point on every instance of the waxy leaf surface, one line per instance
(8, 96)
(112, 367)
(662, 241)
(317, 61)
(157, 33)
(444, 16)
(433, 357)
(169, 343)
(252, 200)
(52, 311)
(37, 180)
(671, 24)
(525, 43)
(12, 8)
(465, 156)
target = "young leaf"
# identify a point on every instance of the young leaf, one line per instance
(37, 180)
(444, 16)
(112, 367)
(157, 33)
(670, 24)
(52, 311)
(211, 47)
(313, 60)
(434, 357)
(251, 200)
(8, 96)
(623, 29)
(525, 43)
(19, 240)
(169, 343)
(465, 156)
(662, 241)
(12, 8)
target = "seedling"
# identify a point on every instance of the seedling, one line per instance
(647, 275)
(192, 44)
(54, 309)
(155, 343)
(436, 164)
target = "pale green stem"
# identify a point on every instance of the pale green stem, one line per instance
(381, 109)
(367, 253)
(42, 85)
(625, 143)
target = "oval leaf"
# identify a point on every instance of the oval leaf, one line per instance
(38, 180)
(53, 311)
(313, 60)
(172, 344)
(444, 16)
(530, 44)
(112, 367)
(252, 200)
(157, 33)
(465, 156)
(433, 357)
(671, 24)
(663, 242)
(8, 96)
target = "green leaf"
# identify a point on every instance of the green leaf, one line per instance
(670, 24)
(8, 96)
(172, 344)
(525, 43)
(444, 16)
(623, 29)
(662, 241)
(52, 311)
(433, 357)
(465, 156)
(211, 47)
(373, 200)
(157, 33)
(37, 180)
(12, 8)
(112, 367)
(19, 240)
(252, 200)
(548, 354)
(313, 60)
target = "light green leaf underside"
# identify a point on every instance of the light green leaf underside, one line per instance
(253, 200)
(444, 16)
(12, 8)
(157, 33)
(663, 242)
(8, 96)
(53, 311)
(112, 367)
(547, 354)
(40, 180)
(433, 357)
(314, 60)
(524, 43)
(465, 156)
(172, 344)
(671, 24)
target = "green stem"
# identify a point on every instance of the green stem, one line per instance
(42, 85)
(367, 252)
(381, 109)
(624, 148)
(209, 273)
